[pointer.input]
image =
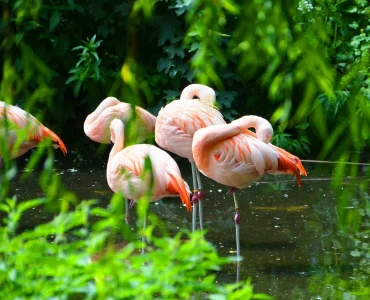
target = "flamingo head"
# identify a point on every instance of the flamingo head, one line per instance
(265, 134)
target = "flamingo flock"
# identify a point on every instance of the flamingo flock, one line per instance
(230, 154)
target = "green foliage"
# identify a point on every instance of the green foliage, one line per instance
(88, 66)
(293, 63)
(58, 259)
(298, 144)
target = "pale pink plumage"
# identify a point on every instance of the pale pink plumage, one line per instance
(21, 131)
(126, 167)
(179, 120)
(97, 124)
(233, 155)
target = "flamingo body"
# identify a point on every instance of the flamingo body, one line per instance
(179, 120)
(175, 127)
(96, 125)
(234, 156)
(21, 131)
(125, 170)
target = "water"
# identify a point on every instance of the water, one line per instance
(290, 240)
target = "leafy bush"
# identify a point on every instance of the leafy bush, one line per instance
(58, 259)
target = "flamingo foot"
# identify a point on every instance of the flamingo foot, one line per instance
(237, 217)
(195, 197)
(200, 195)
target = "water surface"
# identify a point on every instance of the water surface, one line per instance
(290, 240)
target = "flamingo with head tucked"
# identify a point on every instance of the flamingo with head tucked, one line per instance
(233, 155)
(125, 171)
(97, 124)
(20, 132)
(176, 124)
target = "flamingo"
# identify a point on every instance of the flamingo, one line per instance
(233, 155)
(14, 120)
(176, 124)
(97, 124)
(125, 171)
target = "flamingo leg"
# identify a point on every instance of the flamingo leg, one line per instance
(237, 227)
(238, 272)
(143, 235)
(127, 216)
(200, 198)
(195, 196)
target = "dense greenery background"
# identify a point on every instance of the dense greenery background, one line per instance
(300, 64)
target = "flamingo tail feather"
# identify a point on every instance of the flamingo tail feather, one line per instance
(288, 163)
(46, 132)
(177, 184)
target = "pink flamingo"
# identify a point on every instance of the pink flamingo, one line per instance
(125, 171)
(176, 124)
(97, 124)
(20, 132)
(235, 156)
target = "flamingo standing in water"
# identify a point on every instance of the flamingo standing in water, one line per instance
(233, 155)
(176, 124)
(126, 167)
(14, 120)
(97, 124)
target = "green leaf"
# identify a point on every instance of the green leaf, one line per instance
(164, 64)
(4, 208)
(30, 204)
(174, 51)
(54, 20)
(194, 47)
(70, 79)
(78, 47)
(19, 37)
(77, 87)
(351, 9)
(303, 126)
(95, 55)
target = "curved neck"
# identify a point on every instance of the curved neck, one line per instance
(263, 127)
(203, 92)
(117, 137)
(107, 102)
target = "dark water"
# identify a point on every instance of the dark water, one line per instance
(290, 239)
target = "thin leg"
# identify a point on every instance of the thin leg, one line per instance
(200, 198)
(195, 196)
(238, 272)
(237, 227)
(143, 235)
(127, 216)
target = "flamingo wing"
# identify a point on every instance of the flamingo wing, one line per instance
(245, 152)
(15, 118)
(125, 174)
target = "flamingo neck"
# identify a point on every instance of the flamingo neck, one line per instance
(117, 137)
(107, 102)
(263, 127)
(203, 92)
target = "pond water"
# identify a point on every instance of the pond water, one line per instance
(291, 244)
